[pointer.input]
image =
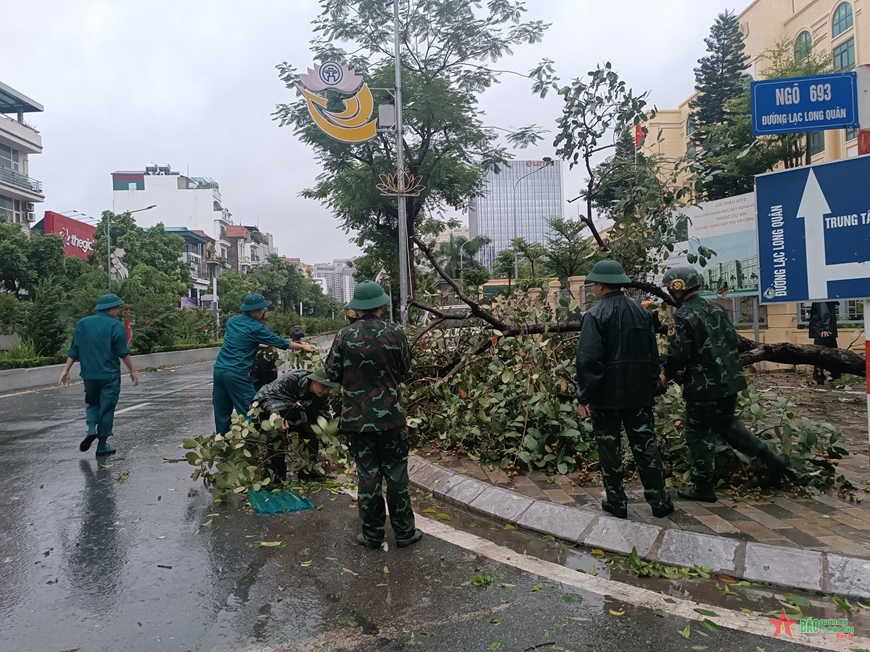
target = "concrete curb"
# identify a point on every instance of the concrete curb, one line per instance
(12, 380)
(791, 568)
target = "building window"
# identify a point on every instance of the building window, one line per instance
(844, 56)
(690, 125)
(851, 133)
(817, 142)
(803, 46)
(9, 158)
(842, 19)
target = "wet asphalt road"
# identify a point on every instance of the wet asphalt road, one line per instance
(130, 554)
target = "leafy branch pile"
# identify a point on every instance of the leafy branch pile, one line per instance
(509, 402)
(239, 459)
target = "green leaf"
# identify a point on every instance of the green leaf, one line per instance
(443, 517)
(685, 632)
(707, 612)
(494, 645)
(661, 613)
(537, 587)
(709, 624)
(699, 647)
(841, 603)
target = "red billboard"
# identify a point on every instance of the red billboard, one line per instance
(78, 237)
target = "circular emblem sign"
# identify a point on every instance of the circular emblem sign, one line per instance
(331, 73)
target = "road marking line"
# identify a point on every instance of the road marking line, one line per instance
(131, 408)
(758, 625)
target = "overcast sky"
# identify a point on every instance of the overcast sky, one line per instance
(192, 83)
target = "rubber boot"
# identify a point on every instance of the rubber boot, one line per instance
(86, 442)
(618, 513)
(699, 494)
(661, 512)
(103, 448)
(414, 538)
(363, 541)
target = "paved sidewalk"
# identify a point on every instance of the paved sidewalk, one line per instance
(824, 523)
(747, 552)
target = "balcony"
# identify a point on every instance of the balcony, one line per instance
(27, 188)
(20, 135)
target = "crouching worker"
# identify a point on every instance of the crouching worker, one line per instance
(299, 398)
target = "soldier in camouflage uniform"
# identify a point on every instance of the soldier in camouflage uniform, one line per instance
(369, 359)
(299, 398)
(702, 344)
(617, 373)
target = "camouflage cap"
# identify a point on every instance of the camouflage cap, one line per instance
(319, 376)
(682, 278)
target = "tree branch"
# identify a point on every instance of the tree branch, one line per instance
(476, 310)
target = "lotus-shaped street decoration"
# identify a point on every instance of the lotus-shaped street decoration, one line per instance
(389, 185)
(331, 76)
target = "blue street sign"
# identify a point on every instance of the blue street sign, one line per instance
(798, 104)
(814, 232)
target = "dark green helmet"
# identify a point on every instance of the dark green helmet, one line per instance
(682, 278)
(609, 272)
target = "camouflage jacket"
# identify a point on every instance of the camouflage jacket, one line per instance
(289, 397)
(369, 359)
(702, 342)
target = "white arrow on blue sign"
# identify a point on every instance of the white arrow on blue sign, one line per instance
(800, 104)
(814, 232)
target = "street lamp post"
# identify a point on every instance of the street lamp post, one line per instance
(400, 176)
(109, 240)
(536, 170)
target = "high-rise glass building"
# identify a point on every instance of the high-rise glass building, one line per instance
(519, 202)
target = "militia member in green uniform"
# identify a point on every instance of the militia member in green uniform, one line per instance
(299, 398)
(368, 359)
(823, 330)
(233, 387)
(702, 344)
(99, 342)
(617, 372)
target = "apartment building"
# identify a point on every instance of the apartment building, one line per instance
(19, 192)
(173, 198)
(338, 278)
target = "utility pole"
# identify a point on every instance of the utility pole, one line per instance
(109, 240)
(400, 177)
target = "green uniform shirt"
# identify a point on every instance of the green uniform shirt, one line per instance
(368, 359)
(99, 343)
(702, 342)
(242, 340)
(282, 396)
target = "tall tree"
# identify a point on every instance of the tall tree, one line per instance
(447, 51)
(458, 252)
(720, 75)
(719, 79)
(593, 110)
(504, 265)
(153, 246)
(532, 253)
(568, 252)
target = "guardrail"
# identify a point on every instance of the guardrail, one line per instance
(14, 178)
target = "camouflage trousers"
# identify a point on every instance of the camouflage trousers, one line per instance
(639, 424)
(705, 422)
(383, 456)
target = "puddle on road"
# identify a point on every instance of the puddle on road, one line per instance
(757, 598)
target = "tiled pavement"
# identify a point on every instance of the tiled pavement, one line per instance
(824, 523)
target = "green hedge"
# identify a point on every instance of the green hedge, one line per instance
(28, 363)
(181, 346)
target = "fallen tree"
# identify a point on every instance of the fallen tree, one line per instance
(833, 360)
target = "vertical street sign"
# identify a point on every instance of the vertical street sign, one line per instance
(814, 232)
(801, 104)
